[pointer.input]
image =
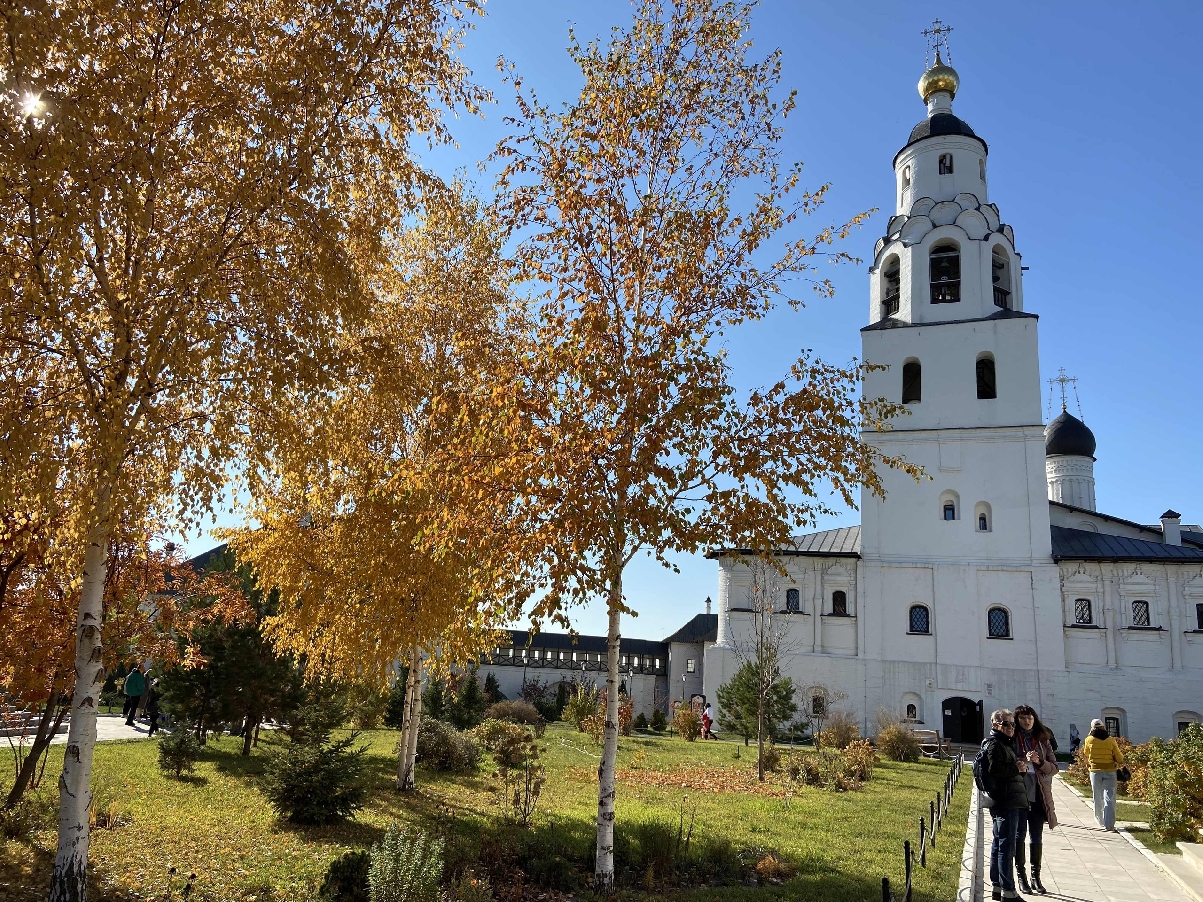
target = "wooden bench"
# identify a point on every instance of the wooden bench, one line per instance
(931, 745)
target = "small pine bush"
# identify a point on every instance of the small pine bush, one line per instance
(898, 743)
(317, 782)
(179, 751)
(659, 721)
(346, 878)
(406, 867)
(641, 721)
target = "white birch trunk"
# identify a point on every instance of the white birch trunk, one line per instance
(69, 878)
(603, 873)
(413, 722)
(407, 752)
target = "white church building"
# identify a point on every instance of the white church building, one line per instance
(994, 582)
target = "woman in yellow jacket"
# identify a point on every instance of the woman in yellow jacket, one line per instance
(1104, 758)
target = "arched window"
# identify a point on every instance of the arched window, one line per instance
(891, 286)
(987, 387)
(920, 619)
(950, 505)
(912, 712)
(1083, 612)
(945, 164)
(906, 179)
(839, 603)
(793, 601)
(945, 264)
(912, 707)
(981, 170)
(1000, 275)
(982, 518)
(998, 622)
(912, 382)
(1183, 719)
(1140, 613)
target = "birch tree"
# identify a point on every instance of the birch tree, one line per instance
(192, 196)
(652, 215)
(351, 508)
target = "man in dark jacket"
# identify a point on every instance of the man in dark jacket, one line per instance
(1005, 781)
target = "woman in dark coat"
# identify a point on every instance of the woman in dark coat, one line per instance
(1033, 748)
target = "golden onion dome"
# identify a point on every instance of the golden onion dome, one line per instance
(939, 78)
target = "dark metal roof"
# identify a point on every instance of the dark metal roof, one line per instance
(1193, 538)
(1171, 514)
(1156, 530)
(569, 642)
(1068, 435)
(1083, 545)
(892, 322)
(938, 126)
(842, 542)
(702, 628)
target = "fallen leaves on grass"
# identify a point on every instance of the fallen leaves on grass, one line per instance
(699, 778)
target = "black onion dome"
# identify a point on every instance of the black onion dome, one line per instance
(939, 125)
(1068, 435)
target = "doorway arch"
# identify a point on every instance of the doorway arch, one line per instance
(962, 720)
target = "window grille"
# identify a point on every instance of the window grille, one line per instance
(1112, 725)
(1199, 616)
(839, 604)
(920, 619)
(1140, 613)
(1083, 612)
(999, 623)
(793, 600)
(817, 705)
(689, 666)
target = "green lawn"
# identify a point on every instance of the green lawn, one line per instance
(219, 825)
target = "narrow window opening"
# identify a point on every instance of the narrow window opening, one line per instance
(906, 179)
(1199, 617)
(1112, 725)
(839, 604)
(1140, 613)
(1000, 274)
(689, 666)
(912, 382)
(987, 386)
(950, 511)
(920, 619)
(912, 713)
(983, 525)
(891, 287)
(945, 265)
(981, 170)
(945, 164)
(817, 705)
(1083, 611)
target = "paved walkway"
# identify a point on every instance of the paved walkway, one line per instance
(1085, 863)
(111, 726)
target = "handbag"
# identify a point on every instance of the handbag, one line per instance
(1123, 774)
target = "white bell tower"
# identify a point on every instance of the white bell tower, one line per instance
(947, 323)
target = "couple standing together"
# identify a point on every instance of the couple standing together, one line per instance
(1017, 766)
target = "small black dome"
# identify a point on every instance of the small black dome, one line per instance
(1068, 435)
(941, 124)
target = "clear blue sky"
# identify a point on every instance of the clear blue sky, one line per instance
(1093, 121)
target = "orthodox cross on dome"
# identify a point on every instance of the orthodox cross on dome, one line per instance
(937, 40)
(1064, 381)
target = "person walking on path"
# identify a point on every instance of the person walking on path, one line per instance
(1035, 754)
(1075, 739)
(135, 685)
(1004, 778)
(152, 706)
(1104, 759)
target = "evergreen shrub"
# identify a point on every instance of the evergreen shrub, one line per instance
(407, 866)
(346, 878)
(442, 747)
(179, 751)
(317, 781)
(659, 721)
